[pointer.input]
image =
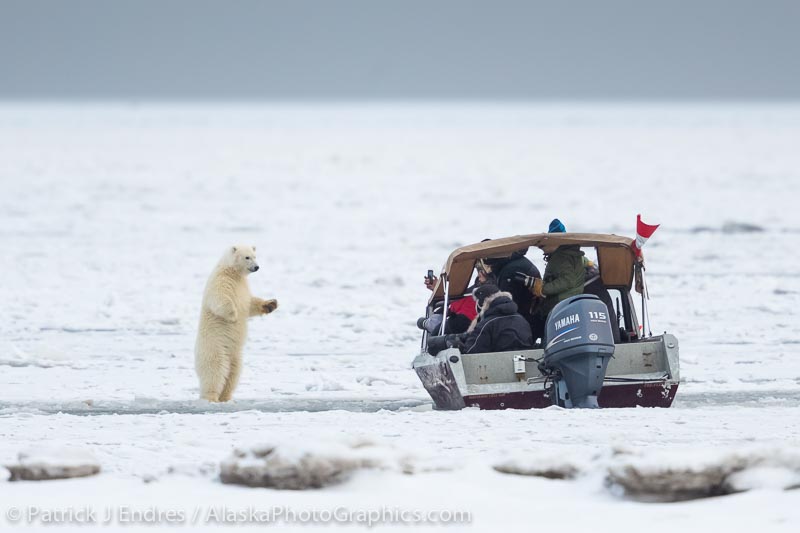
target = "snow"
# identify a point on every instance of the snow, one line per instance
(112, 217)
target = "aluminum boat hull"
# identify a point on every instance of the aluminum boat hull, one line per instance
(644, 373)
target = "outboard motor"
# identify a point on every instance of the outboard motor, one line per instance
(579, 343)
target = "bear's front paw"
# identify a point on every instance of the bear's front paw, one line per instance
(269, 306)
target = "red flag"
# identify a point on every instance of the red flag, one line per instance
(643, 232)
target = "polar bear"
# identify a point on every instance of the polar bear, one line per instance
(227, 304)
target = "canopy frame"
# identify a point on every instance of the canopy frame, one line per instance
(615, 254)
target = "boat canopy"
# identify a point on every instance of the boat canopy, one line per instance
(615, 256)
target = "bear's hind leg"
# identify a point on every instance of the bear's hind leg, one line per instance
(213, 378)
(232, 381)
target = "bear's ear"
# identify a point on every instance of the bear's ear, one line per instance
(233, 249)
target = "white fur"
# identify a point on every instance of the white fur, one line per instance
(227, 304)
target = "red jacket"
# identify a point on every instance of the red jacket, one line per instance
(465, 306)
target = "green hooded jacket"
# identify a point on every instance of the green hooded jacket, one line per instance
(563, 276)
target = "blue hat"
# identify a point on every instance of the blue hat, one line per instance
(556, 227)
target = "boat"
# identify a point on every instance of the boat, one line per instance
(644, 369)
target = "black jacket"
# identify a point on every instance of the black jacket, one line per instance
(505, 270)
(498, 328)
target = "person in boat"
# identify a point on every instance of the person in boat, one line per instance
(508, 271)
(564, 277)
(593, 284)
(497, 328)
(461, 312)
(590, 270)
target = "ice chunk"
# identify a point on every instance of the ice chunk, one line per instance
(670, 476)
(53, 463)
(288, 467)
(546, 465)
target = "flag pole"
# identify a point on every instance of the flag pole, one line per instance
(643, 233)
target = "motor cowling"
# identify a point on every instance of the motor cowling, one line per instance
(578, 345)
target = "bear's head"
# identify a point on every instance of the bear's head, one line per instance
(242, 258)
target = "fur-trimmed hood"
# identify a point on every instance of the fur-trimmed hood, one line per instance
(499, 303)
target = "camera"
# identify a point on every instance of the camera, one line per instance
(524, 280)
(443, 342)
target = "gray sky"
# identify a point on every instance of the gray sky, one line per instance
(352, 49)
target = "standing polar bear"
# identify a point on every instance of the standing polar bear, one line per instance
(227, 304)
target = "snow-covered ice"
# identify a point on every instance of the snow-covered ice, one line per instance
(53, 463)
(112, 217)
